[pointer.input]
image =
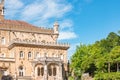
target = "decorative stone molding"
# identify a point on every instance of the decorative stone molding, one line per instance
(37, 43)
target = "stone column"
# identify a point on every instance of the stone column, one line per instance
(45, 71)
(33, 71)
(60, 72)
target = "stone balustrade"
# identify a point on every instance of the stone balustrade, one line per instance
(56, 59)
(39, 43)
(7, 59)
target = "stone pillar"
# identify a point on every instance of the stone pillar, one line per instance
(45, 71)
(60, 72)
(33, 71)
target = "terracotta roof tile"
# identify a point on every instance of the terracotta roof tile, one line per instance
(22, 26)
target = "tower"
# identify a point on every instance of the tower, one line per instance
(1, 9)
(56, 31)
(56, 25)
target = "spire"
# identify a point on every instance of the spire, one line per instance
(2, 10)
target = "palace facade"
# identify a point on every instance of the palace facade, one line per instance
(29, 52)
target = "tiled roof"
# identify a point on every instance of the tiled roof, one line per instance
(22, 26)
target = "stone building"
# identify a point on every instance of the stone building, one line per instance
(29, 52)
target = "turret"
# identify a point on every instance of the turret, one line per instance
(2, 10)
(56, 26)
(56, 31)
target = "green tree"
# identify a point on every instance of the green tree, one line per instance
(98, 59)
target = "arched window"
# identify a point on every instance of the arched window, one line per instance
(37, 55)
(50, 71)
(21, 71)
(29, 55)
(21, 54)
(54, 71)
(3, 40)
(38, 71)
(42, 71)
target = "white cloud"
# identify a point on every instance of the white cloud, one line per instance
(40, 13)
(66, 30)
(14, 4)
(67, 35)
(45, 9)
(12, 7)
(32, 11)
(65, 24)
(55, 9)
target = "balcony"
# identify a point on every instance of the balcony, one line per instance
(5, 59)
(19, 42)
(56, 59)
(47, 59)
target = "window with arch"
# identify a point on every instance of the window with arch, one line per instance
(50, 71)
(38, 71)
(54, 71)
(37, 55)
(29, 55)
(21, 71)
(21, 54)
(42, 71)
(3, 40)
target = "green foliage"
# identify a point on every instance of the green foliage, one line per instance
(107, 76)
(77, 60)
(70, 78)
(94, 58)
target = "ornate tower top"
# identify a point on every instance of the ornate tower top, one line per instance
(56, 31)
(1, 9)
(56, 26)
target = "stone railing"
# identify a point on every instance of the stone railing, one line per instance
(48, 59)
(23, 78)
(38, 43)
(7, 59)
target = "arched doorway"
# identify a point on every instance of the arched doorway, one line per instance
(53, 71)
(39, 71)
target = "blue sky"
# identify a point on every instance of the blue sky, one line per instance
(81, 21)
